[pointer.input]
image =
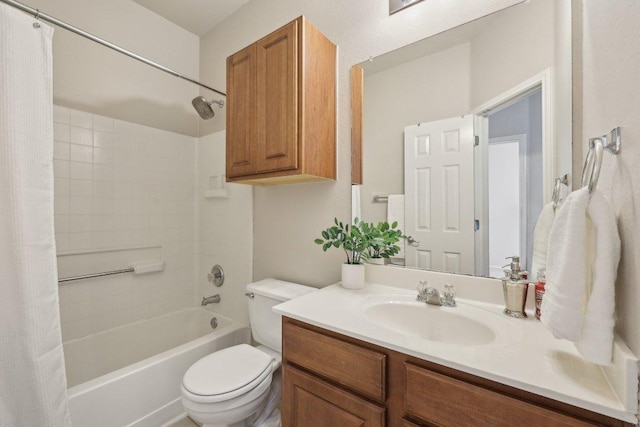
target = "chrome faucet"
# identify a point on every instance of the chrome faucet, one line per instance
(212, 299)
(431, 295)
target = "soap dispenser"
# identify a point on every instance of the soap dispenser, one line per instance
(515, 287)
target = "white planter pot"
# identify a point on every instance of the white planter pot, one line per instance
(376, 261)
(353, 276)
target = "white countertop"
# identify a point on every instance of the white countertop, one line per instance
(527, 356)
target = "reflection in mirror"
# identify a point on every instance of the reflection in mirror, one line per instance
(463, 135)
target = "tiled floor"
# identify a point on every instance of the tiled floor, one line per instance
(185, 422)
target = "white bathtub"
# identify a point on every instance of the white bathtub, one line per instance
(130, 375)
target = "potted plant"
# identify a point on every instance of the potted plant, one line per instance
(383, 239)
(355, 244)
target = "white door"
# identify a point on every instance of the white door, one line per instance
(439, 199)
(507, 201)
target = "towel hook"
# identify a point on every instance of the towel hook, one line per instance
(610, 142)
(592, 164)
(557, 190)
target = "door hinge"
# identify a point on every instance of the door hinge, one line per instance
(476, 140)
(476, 224)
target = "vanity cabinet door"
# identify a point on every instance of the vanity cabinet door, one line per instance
(310, 402)
(241, 113)
(448, 402)
(277, 100)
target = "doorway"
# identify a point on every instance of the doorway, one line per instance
(515, 180)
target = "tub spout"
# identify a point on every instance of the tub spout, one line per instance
(212, 299)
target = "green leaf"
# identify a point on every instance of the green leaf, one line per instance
(319, 241)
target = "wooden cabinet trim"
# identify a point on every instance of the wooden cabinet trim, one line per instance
(318, 102)
(351, 366)
(357, 120)
(407, 423)
(241, 88)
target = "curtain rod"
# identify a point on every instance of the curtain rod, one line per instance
(38, 15)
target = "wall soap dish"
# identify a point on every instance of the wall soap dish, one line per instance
(217, 188)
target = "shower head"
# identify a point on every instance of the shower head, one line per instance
(203, 107)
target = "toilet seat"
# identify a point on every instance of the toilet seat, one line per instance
(201, 405)
(228, 374)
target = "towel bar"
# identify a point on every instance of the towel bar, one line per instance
(92, 275)
(380, 199)
(141, 268)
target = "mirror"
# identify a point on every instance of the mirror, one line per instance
(464, 134)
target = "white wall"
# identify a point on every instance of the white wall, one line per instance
(609, 98)
(120, 185)
(519, 43)
(288, 218)
(225, 232)
(96, 79)
(430, 88)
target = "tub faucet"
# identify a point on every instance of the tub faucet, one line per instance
(212, 299)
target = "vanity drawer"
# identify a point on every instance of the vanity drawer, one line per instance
(357, 368)
(444, 401)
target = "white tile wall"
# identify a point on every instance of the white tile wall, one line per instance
(119, 184)
(225, 231)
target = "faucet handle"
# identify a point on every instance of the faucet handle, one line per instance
(449, 296)
(422, 289)
(423, 285)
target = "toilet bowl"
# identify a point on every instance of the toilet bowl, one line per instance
(230, 386)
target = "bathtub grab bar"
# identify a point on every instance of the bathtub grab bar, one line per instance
(90, 276)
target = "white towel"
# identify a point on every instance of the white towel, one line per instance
(395, 213)
(584, 251)
(541, 238)
(355, 203)
(596, 342)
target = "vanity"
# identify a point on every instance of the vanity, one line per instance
(376, 357)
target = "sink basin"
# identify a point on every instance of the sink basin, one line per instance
(464, 325)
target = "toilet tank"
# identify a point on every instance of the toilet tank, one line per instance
(266, 326)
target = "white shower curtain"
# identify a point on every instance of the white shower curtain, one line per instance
(32, 373)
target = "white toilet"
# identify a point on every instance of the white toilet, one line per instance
(225, 388)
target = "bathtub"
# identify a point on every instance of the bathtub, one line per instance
(131, 375)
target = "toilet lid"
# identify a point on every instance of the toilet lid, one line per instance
(229, 372)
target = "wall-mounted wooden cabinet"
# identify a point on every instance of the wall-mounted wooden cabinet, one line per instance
(281, 108)
(332, 380)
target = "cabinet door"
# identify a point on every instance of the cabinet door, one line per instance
(448, 402)
(310, 402)
(241, 113)
(277, 100)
